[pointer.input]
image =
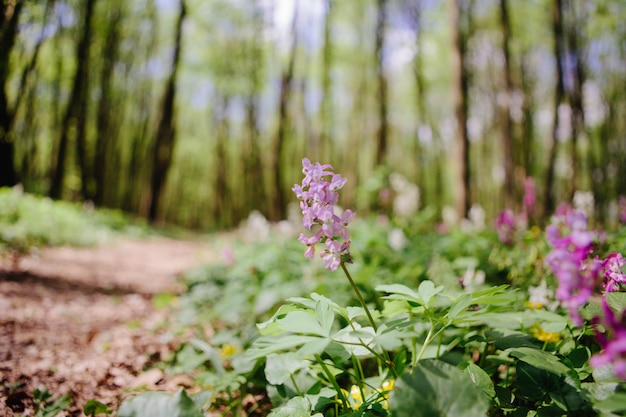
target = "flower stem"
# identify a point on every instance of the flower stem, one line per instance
(359, 296)
(333, 381)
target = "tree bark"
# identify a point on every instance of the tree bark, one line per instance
(326, 106)
(75, 117)
(507, 125)
(576, 94)
(255, 181)
(104, 133)
(280, 203)
(559, 94)
(166, 132)
(10, 19)
(461, 106)
(383, 122)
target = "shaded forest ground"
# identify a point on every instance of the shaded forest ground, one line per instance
(82, 321)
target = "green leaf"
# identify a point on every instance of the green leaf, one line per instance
(270, 326)
(315, 346)
(297, 406)
(615, 403)
(279, 368)
(319, 323)
(302, 322)
(480, 378)
(459, 305)
(494, 296)
(93, 407)
(437, 389)
(427, 290)
(399, 292)
(51, 410)
(160, 404)
(539, 359)
(617, 301)
(535, 383)
(266, 345)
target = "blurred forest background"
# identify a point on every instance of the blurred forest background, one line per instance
(196, 112)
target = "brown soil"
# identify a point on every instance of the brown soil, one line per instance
(82, 321)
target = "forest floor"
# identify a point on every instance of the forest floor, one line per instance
(82, 321)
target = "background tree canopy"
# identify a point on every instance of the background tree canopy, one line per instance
(197, 112)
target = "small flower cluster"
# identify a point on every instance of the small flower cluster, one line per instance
(576, 281)
(318, 198)
(613, 341)
(505, 227)
(580, 276)
(614, 277)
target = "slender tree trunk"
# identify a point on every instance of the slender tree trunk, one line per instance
(166, 132)
(105, 108)
(576, 94)
(559, 94)
(255, 178)
(10, 18)
(80, 111)
(528, 125)
(280, 203)
(383, 122)
(326, 106)
(507, 125)
(461, 105)
(75, 118)
(221, 205)
(420, 105)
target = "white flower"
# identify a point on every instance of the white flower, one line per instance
(396, 239)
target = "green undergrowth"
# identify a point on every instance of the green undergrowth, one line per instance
(28, 222)
(260, 315)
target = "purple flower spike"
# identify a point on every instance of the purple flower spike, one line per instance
(614, 277)
(318, 196)
(576, 279)
(505, 227)
(613, 341)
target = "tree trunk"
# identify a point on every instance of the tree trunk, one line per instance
(559, 93)
(255, 181)
(222, 215)
(166, 132)
(576, 94)
(326, 106)
(507, 125)
(10, 19)
(383, 122)
(461, 105)
(75, 118)
(104, 133)
(280, 203)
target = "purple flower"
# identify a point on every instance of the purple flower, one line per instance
(576, 278)
(505, 226)
(318, 196)
(613, 274)
(529, 194)
(613, 341)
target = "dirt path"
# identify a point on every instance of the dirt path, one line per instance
(81, 321)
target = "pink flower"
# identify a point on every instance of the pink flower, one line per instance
(505, 227)
(576, 279)
(318, 196)
(613, 341)
(613, 274)
(529, 194)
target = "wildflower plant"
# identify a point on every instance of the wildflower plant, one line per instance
(362, 360)
(439, 331)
